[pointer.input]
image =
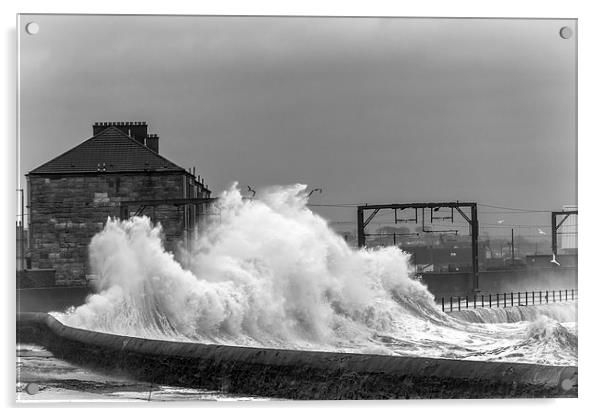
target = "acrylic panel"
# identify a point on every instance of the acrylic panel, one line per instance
(296, 207)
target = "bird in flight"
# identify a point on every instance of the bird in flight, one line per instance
(314, 190)
(554, 261)
(500, 221)
(540, 231)
(251, 190)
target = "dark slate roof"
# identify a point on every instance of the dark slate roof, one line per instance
(111, 150)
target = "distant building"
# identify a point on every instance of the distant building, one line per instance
(71, 196)
(447, 256)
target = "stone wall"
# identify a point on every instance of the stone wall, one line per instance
(500, 281)
(66, 211)
(51, 299)
(35, 278)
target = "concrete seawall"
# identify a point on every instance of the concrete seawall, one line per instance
(294, 374)
(500, 281)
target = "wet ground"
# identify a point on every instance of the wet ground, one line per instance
(43, 377)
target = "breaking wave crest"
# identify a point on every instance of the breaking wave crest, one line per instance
(561, 312)
(272, 273)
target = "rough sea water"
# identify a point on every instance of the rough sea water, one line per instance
(270, 272)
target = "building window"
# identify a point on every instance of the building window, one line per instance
(114, 184)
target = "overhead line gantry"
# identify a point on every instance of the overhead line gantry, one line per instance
(471, 218)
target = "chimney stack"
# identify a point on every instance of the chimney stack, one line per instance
(137, 130)
(152, 142)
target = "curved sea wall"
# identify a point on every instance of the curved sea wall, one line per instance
(291, 373)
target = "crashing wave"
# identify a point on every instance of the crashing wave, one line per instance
(561, 312)
(273, 273)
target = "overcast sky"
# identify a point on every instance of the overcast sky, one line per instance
(371, 110)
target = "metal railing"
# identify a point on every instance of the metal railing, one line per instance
(506, 300)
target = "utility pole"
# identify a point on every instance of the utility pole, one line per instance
(474, 233)
(513, 246)
(361, 238)
(22, 230)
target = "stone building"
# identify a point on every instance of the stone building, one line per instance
(118, 172)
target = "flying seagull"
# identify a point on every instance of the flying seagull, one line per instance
(251, 190)
(500, 221)
(554, 260)
(314, 190)
(540, 231)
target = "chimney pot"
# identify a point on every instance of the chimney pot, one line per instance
(136, 130)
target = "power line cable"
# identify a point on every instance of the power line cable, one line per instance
(514, 209)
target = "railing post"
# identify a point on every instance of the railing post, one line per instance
(443, 303)
(540, 297)
(553, 296)
(490, 300)
(572, 294)
(475, 302)
(511, 298)
(566, 295)
(459, 305)
(497, 299)
(547, 297)
(504, 299)
(467, 302)
(451, 303)
(532, 298)
(483, 301)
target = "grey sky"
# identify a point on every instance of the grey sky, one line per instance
(372, 110)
